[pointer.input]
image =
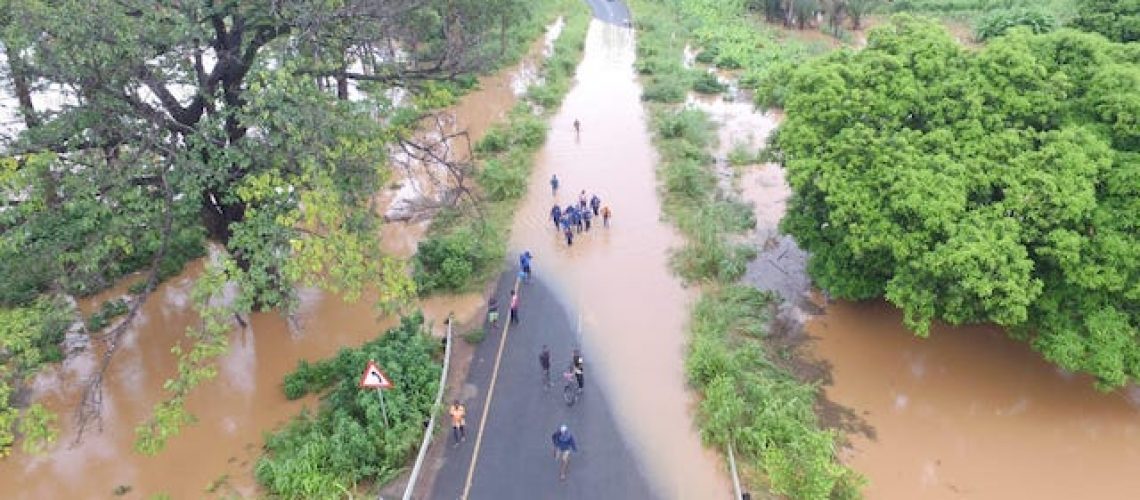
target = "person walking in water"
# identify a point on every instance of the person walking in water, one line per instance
(544, 363)
(577, 128)
(606, 216)
(586, 218)
(567, 232)
(582, 201)
(576, 219)
(514, 307)
(563, 444)
(458, 421)
(595, 203)
(524, 264)
(556, 215)
(554, 185)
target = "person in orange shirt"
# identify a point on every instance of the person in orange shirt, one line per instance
(458, 421)
(606, 216)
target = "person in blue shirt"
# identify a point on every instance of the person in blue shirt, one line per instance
(563, 445)
(556, 215)
(524, 264)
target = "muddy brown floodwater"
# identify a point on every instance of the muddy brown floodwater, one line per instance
(966, 413)
(246, 399)
(633, 310)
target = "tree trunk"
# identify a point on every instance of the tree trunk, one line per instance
(19, 74)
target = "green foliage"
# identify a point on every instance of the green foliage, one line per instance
(707, 83)
(740, 156)
(997, 22)
(30, 336)
(460, 251)
(765, 413)
(747, 400)
(110, 309)
(997, 185)
(1117, 20)
(346, 441)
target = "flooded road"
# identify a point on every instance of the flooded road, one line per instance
(633, 309)
(967, 413)
(245, 400)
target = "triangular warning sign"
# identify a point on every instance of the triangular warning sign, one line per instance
(373, 378)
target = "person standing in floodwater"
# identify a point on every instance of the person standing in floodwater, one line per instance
(606, 216)
(577, 128)
(554, 185)
(582, 201)
(514, 307)
(556, 215)
(566, 230)
(595, 204)
(586, 218)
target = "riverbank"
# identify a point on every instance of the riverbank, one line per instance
(750, 398)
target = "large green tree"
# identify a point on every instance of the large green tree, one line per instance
(1000, 185)
(181, 122)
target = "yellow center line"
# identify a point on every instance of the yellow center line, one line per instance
(490, 395)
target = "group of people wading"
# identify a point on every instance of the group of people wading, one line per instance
(579, 217)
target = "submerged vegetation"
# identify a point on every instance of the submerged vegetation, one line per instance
(748, 400)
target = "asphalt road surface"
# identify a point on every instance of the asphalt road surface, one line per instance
(516, 458)
(610, 11)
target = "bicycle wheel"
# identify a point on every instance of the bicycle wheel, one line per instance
(570, 394)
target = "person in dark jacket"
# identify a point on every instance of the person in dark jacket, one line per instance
(595, 204)
(556, 215)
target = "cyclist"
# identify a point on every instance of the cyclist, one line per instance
(563, 445)
(577, 365)
(493, 312)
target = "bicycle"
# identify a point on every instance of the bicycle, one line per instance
(570, 390)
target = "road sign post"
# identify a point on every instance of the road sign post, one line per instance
(374, 378)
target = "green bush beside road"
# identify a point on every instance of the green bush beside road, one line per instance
(347, 441)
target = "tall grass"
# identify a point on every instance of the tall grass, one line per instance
(748, 400)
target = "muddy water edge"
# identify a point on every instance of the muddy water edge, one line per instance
(216, 455)
(967, 412)
(632, 309)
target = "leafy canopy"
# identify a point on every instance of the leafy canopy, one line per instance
(999, 186)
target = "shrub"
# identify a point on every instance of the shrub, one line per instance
(664, 90)
(109, 310)
(995, 23)
(708, 83)
(346, 442)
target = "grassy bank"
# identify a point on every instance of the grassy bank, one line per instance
(466, 244)
(748, 399)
